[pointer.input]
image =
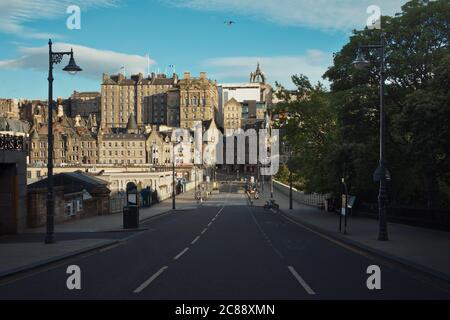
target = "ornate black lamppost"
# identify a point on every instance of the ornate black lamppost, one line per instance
(72, 68)
(381, 175)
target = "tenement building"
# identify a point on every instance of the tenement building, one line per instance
(232, 115)
(9, 108)
(144, 97)
(74, 140)
(198, 100)
(122, 148)
(85, 104)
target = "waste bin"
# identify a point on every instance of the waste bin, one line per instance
(131, 217)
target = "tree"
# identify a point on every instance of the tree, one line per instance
(283, 174)
(417, 101)
(335, 133)
(309, 131)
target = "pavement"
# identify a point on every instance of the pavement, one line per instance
(26, 251)
(421, 248)
(114, 222)
(223, 249)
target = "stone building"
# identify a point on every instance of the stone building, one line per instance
(85, 104)
(252, 112)
(77, 195)
(13, 180)
(173, 107)
(144, 97)
(198, 100)
(28, 109)
(9, 108)
(122, 148)
(160, 144)
(232, 115)
(255, 97)
(74, 141)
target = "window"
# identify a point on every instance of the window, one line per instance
(69, 209)
(79, 205)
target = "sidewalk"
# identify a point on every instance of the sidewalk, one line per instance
(424, 249)
(26, 251)
(114, 222)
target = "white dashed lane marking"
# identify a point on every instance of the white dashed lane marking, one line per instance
(181, 253)
(195, 240)
(150, 280)
(301, 281)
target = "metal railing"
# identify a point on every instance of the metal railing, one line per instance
(310, 199)
(118, 201)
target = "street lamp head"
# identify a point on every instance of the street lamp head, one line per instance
(72, 67)
(360, 61)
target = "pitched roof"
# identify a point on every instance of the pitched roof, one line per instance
(131, 125)
(73, 182)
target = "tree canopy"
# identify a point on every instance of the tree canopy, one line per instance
(335, 133)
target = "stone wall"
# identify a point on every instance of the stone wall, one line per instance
(37, 207)
(13, 183)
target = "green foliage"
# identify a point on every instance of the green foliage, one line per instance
(336, 134)
(283, 174)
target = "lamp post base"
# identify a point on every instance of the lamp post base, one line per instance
(49, 239)
(383, 236)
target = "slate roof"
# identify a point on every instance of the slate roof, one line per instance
(14, 125)
(73, 182)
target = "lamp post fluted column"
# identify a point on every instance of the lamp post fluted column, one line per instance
(173, 176)
(381, 174)
(50, 234)
(383, 234)
(72, 68)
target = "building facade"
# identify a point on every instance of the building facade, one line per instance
(85, 104)
(74, 141)
(198, 100)
(144, 97)
(232, 115)
(9, 108)
(255, 97)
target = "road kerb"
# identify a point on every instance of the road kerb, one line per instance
(405, 264)
(43, 263)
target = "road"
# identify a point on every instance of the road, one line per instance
(224, 249)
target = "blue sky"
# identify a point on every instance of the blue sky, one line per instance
(286, 36)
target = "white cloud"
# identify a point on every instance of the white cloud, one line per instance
(313, 64)
(93, 61)
(319, 14)
(15, 13)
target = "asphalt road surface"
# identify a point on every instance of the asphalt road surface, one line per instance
(225, 249)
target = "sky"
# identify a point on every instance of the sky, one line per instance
(286, 36)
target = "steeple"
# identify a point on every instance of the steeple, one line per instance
(258, 76)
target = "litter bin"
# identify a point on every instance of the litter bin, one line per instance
(131, 217)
